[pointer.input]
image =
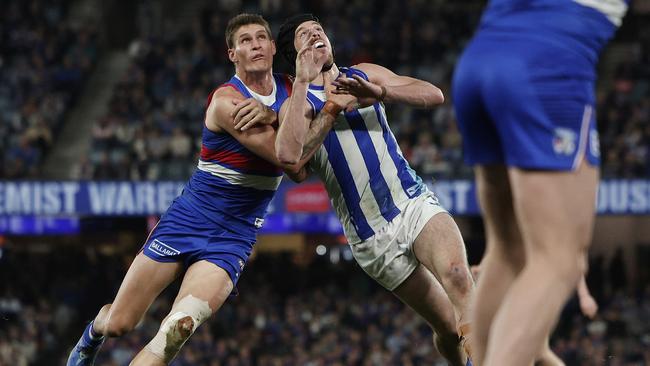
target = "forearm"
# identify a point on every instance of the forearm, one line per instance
(318, 130)
(293, 127)
(418, 93)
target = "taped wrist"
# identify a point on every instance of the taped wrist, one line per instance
(332, 109)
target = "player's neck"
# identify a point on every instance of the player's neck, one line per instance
(334, 73)
(259, 82)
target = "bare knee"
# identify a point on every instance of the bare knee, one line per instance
(510, 254)
(176, 329)
(446, 335)
(457, 277)
(566, 266)
(117, 324)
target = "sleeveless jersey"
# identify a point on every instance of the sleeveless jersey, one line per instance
(366, 176)
(231, 182)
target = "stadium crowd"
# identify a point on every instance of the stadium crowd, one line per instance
(286, 314)
(153, 128)
(44, 61)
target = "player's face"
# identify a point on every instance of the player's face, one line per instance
(253, 50)
(313, 30)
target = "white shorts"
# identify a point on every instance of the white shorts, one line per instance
(388, 256)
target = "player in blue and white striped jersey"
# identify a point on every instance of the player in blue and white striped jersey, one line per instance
(524, 93)
(398, 232)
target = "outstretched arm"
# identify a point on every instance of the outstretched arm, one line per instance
(386, 86)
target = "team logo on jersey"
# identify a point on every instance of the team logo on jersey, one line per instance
(411, 191)
(259, 222)
(163, 249)
(564, 141)
(594, 143)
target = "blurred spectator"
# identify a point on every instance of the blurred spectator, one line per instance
(172, 73)
(43, 63)
(319, 314)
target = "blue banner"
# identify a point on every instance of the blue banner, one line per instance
(47, 199)
(87, 198)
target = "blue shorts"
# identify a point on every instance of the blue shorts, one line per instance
(525, 103)
(184, 234)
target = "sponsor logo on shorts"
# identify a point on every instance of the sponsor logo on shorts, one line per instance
(594, 143)
(259, 222)
(564, 141)
(241, 264)
(163, 249)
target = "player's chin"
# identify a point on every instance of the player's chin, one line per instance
(259, 67)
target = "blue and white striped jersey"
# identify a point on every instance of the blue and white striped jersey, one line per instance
(365, 174)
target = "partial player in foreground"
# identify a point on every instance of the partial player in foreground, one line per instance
(524, 94)
(588, 306)
(398, 232)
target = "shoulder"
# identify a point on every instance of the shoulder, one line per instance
(227, 90)
(223, 96)
(369, 68)
(220, 106)
(374, 72)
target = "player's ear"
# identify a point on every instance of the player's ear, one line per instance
(273, 48)
(232, 56)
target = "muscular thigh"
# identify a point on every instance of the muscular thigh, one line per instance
(555, 210)
(389, 256)
(440, 244)
(501, 229)
(143, 282)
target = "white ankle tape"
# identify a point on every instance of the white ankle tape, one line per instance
(185, 317)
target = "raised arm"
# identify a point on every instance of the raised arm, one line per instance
(386, 86)
(295, 118)
(300, 132)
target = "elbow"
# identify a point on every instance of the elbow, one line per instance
(297, 178)
(437, 96)
(286, 158)
(440, 98)
(296, 172)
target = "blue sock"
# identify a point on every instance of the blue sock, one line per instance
(90, 337)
